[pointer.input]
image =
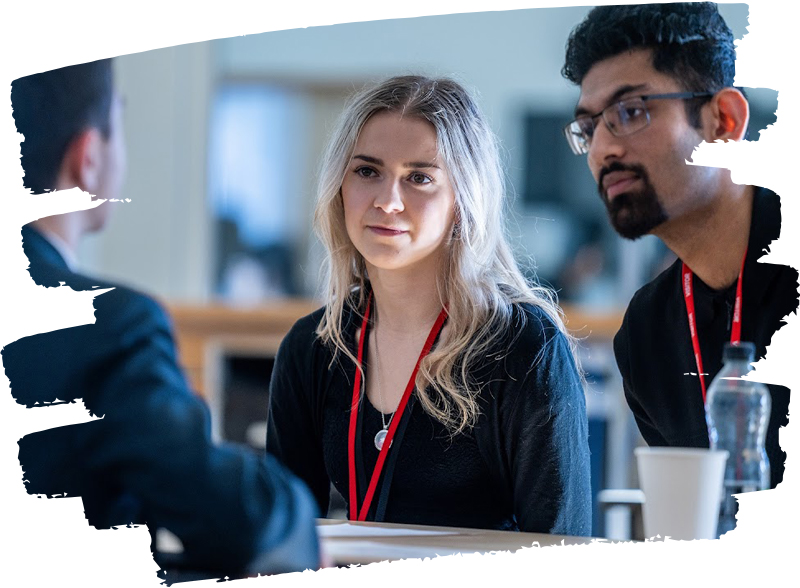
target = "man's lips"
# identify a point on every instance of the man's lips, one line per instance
(386, 231)
(616, 182)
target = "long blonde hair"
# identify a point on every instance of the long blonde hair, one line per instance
(480, 280)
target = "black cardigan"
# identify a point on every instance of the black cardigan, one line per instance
(525, 465)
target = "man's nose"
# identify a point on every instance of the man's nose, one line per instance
(389, 197)
(605, 146)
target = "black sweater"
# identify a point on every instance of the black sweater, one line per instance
(525, 465)
(654, 348)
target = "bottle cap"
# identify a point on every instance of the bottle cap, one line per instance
(744, 351)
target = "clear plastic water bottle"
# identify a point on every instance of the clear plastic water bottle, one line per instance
(737, 414)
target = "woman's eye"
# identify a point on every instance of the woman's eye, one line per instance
(365, 172)
(419, 178)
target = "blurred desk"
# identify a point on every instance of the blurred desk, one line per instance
(202, 330)
(595, 325)
(227, 353)
(349, 542)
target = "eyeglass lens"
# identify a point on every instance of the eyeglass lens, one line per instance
(621, 118)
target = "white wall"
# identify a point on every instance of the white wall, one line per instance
(161, 241)
(512, 59)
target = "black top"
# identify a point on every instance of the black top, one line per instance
(149, 459)
(525, 465)
(654, 348)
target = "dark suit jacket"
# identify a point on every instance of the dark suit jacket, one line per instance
(150, 459)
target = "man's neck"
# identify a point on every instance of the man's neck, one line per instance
(713, 241)
(64, 231)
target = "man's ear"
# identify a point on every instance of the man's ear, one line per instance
(728, 117)
(83, 161)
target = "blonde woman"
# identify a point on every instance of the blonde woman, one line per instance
(437, 386)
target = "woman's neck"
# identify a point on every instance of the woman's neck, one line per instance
(406, 302)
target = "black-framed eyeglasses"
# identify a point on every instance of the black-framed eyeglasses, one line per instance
(621, 118)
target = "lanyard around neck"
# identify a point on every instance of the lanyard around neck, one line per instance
(736, 322)
(355, 513)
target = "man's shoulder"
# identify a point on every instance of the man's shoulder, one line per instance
(116, 296)
(765, 223)
(117, 306)
(650, 308)
(664, 287)
(765, 193)
(48, 269)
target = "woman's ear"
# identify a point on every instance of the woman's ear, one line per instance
(83, 162)
(729, 115)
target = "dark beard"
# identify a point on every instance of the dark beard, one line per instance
(633, 214)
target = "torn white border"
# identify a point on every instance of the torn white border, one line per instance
(47, 542)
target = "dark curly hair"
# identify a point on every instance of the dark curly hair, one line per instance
(51, 108)
(690, 41)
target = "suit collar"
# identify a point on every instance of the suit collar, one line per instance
(41, 251)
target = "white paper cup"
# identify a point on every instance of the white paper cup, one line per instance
(682, 489)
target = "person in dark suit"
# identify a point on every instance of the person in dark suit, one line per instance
(148, 458)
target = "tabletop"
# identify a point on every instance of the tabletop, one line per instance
(348, 542)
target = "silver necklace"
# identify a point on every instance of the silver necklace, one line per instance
(380, 436)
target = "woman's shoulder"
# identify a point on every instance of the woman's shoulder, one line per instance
(527, 368)
(527, 335)
(304, 331)
(530, 327)
(303, 334)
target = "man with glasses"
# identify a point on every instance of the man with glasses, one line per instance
(656, 81)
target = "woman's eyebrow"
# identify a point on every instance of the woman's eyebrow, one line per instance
(418, 164)
(411, 164)
(369, 159)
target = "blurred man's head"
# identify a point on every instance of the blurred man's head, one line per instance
(72, 126)
(656, 80)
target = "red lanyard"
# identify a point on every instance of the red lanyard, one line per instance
(361, 515)
(736, 324)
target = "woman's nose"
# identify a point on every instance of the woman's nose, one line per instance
(389, 197)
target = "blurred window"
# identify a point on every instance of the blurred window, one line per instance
(255, 160)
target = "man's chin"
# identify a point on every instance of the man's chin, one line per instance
(633, 228)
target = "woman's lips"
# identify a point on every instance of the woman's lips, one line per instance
(386, 231)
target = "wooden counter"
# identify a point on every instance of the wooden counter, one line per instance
(202, 331)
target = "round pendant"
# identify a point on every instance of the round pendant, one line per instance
(380, 437)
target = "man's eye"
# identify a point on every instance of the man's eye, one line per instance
(586, 128)
(630, 111)
(633, 111)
